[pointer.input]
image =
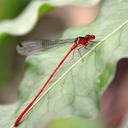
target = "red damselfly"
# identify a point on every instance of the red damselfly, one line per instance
(32, 47)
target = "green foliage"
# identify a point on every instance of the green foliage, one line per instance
(11, 8)
(73, 123)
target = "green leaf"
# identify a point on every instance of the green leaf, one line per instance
(10, 9)
(7, 50)
(73, 123)
(76, 89)
(19, 26)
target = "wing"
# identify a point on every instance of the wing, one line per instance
(32, 47)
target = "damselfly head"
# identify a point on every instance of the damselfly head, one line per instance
(90, 37)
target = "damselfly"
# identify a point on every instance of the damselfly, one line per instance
(31, 47)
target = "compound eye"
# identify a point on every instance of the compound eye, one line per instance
(93, 36)
(87, 36)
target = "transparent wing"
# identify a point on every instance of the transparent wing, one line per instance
(32, 47)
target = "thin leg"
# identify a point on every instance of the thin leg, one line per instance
(87, 48)
(73, 54)
(80, 54)
(94, 41)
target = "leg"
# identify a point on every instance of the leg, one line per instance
(94, 41)
(80, 53)
(73, 54)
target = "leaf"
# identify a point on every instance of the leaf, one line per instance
(73, 123)
(19, 26)
(6, 10)
(76, 89)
